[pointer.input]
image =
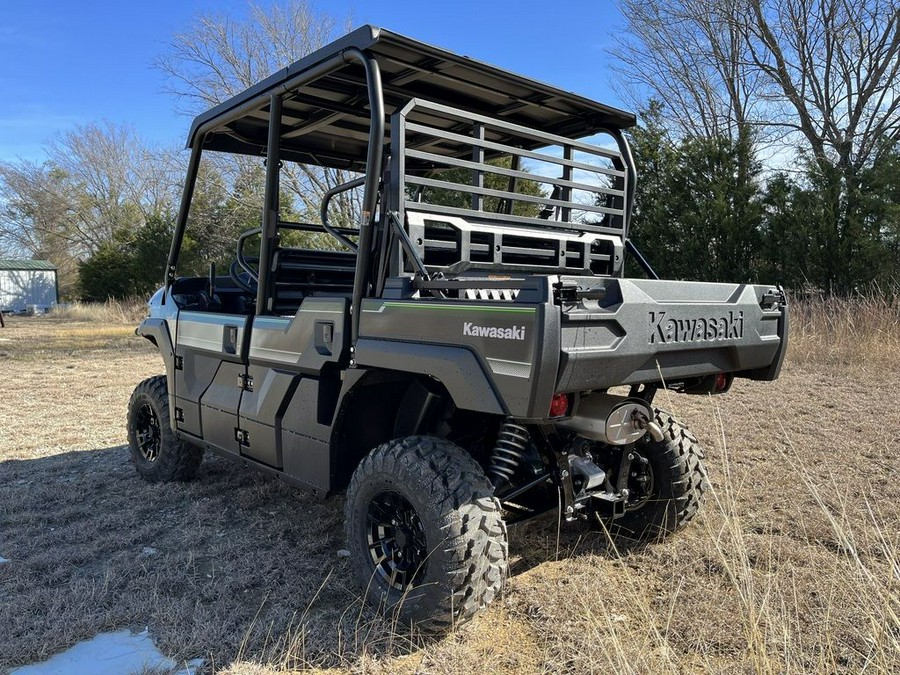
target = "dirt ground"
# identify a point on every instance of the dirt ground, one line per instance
(794, 566)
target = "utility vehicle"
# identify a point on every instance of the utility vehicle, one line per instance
(470, 354)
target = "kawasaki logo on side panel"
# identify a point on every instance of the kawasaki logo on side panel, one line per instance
(473, 330)
(664, 330)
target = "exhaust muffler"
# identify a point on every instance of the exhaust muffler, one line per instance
(615, 420)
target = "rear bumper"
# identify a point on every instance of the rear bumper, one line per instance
(654, 330)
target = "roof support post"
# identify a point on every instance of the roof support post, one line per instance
(270, 210)
(361, 285)
(181, 221)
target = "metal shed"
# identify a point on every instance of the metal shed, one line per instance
(27, 284)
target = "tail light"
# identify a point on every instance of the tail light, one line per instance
(721, 382)
(559, 406)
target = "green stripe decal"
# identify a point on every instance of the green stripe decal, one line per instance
(462, 308)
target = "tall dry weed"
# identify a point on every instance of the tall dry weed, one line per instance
(861, 330)
(128, 311)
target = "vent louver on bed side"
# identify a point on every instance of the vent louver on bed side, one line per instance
(507, 294)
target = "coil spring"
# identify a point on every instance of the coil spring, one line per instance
(509, 450)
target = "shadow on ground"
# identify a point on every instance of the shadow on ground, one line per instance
(230, 565)
(229, 559)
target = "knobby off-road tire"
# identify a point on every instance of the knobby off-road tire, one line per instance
(679, 483)
(156, 453)
(444, 504)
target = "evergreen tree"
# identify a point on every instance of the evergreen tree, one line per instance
(697, 211)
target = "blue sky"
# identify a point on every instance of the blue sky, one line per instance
(73, 62)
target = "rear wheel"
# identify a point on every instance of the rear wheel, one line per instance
(425, 533)
(678, 482)
(157, 454)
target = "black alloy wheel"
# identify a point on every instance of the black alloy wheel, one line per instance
(146, 430)
(156, 452)
(396, 540)
(425, 533)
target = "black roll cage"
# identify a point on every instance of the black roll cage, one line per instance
(270, 215)
(353, 50)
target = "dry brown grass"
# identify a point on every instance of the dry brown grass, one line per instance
(794, 566)
(858, 331)
(129, 311)
(72, 330)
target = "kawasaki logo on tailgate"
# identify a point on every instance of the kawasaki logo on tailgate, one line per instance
(664, 330)
(474, 330)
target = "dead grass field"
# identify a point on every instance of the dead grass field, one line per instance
(794, 566)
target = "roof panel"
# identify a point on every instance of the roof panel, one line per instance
(22, 265)
(317, 114)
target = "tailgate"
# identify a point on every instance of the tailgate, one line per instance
(628, 331)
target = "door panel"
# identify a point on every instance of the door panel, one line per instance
(305, 342)
(262, 409)
(306, 440)
(281, 350)
(205, 341)
(219, 406)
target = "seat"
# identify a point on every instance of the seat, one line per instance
(298, 273)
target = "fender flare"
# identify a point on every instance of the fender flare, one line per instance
(457, 368)
(157, 331)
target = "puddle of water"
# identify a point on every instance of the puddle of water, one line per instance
(116, 653)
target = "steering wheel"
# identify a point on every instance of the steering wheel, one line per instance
(244, 278)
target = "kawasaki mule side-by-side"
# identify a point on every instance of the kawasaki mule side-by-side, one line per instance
(470, 355)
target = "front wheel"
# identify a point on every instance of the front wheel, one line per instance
(679, 482)
(157, 454)
(425, 533)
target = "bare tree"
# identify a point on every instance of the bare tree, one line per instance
(824, 69)
(98, 162)
(830, 68)
(159, 172)
(100, 182)
(35, 215)
(819, 75)
(219, 57)
(693, 56)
